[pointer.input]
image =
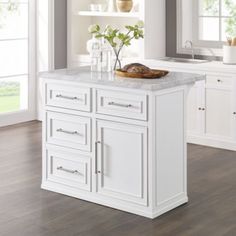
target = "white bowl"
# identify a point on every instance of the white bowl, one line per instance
(96, 7)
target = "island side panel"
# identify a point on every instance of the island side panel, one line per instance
(170, 149)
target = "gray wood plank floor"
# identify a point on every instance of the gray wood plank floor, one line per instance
(25, 209)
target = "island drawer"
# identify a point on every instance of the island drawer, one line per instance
(69, 169)
(122, 104)
(68, 131)
(68, 97)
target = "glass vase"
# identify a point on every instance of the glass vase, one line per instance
(117, 60)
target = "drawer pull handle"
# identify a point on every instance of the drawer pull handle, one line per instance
(96, 157)
(67, 97)
(119, 104)
(68, 132)
(67, 170)
(219, 81)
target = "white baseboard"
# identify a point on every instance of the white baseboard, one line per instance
(212, 142)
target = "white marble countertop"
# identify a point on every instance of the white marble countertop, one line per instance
(84, 75)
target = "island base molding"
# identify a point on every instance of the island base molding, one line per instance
(148, 213)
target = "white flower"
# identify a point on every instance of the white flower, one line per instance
(140, 24)
(93, 28)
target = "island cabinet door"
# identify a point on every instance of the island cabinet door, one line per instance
(121, 161)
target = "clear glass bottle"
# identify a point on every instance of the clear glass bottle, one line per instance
(106, 56)
(94, 47)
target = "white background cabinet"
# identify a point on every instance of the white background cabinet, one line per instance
(219, 115)
(211, 108)
(211, 105)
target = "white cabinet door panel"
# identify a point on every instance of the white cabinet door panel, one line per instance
(195, 103)
(219, 112)
(122, 160)
(234, 110)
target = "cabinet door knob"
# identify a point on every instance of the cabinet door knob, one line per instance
(203, 109)
(219, 80)
(234, 113)
(199, 108)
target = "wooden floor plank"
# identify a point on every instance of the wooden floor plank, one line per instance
(25, 209)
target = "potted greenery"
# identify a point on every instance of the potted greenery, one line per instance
(118, 39)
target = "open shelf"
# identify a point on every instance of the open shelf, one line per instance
(79, 18)
(109, 14)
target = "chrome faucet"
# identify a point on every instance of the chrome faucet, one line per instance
(189, 45)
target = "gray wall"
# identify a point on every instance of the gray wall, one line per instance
(60, 18)
(171, 30)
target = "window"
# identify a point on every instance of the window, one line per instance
(17, 61)
(215, 20)
(207, 23)
(13, 55)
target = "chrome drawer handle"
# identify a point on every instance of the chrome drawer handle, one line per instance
(67, 97)
(67, 170)
(68, 132)
(119, 104)
(96, 157)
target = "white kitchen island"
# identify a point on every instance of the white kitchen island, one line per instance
(115, 141)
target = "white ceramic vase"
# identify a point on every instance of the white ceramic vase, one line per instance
(229, 56)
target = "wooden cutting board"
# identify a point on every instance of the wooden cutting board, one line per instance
(154, 74)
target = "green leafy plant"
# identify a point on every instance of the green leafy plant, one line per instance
(118, 39)
(211, 7)
(231, 22)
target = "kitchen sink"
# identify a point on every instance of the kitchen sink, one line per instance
(184, 60)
